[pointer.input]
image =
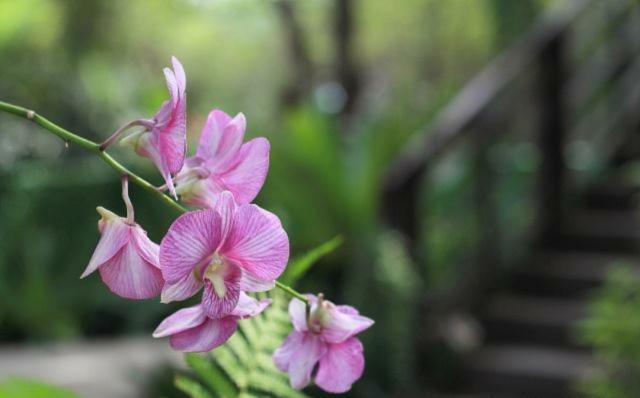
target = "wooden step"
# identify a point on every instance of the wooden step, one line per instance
(601, 231)
(527, 371)
(533, 320)
(612, 195)
(568, 273)
(602, 222)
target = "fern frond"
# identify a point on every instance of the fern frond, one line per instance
(243, 367)
(210, 375)
(192, 387)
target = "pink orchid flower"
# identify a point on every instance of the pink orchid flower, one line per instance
(126, 258)
(328, 339)
(227, 249)
(223, 163)
(164, 137)
(191, 330)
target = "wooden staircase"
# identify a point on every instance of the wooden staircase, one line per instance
(571, 82)
(531, 348)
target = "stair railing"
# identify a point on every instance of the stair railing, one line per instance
(566, 96)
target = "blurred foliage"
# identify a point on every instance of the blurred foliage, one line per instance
(20, 388)
(90, 66)
(398, 286)
(297, 268)
(612, 329)
(47, 236)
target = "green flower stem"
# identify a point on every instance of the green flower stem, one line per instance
(292, 292)
(94, 147)
(90, 146)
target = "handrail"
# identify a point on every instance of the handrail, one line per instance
(556, 105)
(451, 124)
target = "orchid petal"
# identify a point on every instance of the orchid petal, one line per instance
(204, 193)
(146, 248)
(249, 283)
(303, 360)
(298, 314)
(230, 143)
(221, 291)
(212, 134)
(180, 321)
(341, 366)
(172, 84)
(221, 139)
(225, 206)
(171, 127)
(168, 146)
(164, 140)
(211, 334)
(164, 114)
(172, 138)
(191, 239)
(248, 171)
(342, 323)
(168, 182)
(298, 355)
(115, 234)
(173, 147)
(181, 290)
(282, 355)
(181, 79)
(129, 275)
(148, 145)
(347, 309)
(249, 307)
(257, 242)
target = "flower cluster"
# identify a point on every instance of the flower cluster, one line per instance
(225, 248)
(325, 338)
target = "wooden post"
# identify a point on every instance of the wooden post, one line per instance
(551, 139)
(346, 69)
(400, 209)
(300, 62)
(480, 275)
(488, 259)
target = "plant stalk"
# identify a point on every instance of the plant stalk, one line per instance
(95, 148)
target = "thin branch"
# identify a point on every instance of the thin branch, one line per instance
(90, 146)
(94, 147)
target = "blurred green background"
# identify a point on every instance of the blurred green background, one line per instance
(336, 107)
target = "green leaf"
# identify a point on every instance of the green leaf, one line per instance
(243, 367)
(211, 375)
(298, 267)
(21, 388)
(280, 388)
(191, 387)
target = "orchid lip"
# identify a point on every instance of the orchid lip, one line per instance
(214, 272)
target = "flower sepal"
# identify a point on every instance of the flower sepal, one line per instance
(128, 261)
